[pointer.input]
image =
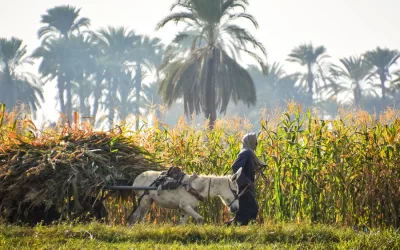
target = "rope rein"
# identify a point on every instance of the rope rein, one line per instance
(237, 196)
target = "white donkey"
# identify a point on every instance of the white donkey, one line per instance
(206, 186)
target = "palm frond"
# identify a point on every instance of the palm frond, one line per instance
(243, 37)
(18, 85)
(382, 59)
(61, 20)
(82, 22)
(230, 4)
(177, 17)
(187, 69)
(245, 16)
(264, 67)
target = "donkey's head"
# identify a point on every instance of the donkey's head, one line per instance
(229, 192)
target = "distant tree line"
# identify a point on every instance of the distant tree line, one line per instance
(103, 71)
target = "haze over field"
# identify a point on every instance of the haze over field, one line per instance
(344, 28)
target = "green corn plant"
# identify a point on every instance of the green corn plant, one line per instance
(344, 170)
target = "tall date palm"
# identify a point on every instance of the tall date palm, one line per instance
(356, 71)
(312, 58)
(61, 25)
(16, 84)
(61, 21)
(207, 75)
(382, 60)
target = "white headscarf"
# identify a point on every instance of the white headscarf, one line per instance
(249, 142)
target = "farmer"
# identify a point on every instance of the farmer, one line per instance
(250, 164)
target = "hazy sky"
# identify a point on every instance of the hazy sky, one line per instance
(344, 27)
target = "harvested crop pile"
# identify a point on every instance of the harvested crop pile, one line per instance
(64, 173)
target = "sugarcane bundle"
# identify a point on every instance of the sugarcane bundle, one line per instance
(71, 166)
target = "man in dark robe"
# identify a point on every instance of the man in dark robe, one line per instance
(250, 164)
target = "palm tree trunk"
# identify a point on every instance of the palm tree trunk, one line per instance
(111, 95)
(8, 97)
(310, 83)
(138, 86)
(211, 109)
(9, 90)
(357, 95)
(15, 94)
(97, 96)
(69, 100)
(3, 94)
(60, 87)
(382, 77)
(82, 105)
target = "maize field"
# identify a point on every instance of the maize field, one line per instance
(344, 170)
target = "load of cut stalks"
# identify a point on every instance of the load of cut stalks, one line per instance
(65, 169)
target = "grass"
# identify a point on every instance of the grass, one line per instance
(147, 236)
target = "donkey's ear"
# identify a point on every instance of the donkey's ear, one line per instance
(236, 175)
(239, 172)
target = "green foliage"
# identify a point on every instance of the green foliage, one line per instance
(63, 51)
(61, 20)
(327, 171)
(382, 59)
(313, 59)
(123, 60)
(334, 171)
(356, 71)
(200, 65)
(16, 83)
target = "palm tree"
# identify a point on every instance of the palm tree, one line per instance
(355, 71)
(61, 21)
(275, 89)
(53, 54)
(114, 47)
(312, 58)
(329, 91)
(382, 60)
(272, 84)
(126, 94)
(83, 90)
(207, 74)
(83, 67)
(272, 91)
(332, 86)
(146, 55)
(15, 84)
(68, 61)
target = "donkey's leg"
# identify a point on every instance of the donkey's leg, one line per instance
(141, 210)
(188, 209)
(184, 218)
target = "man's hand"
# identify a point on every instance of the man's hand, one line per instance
(259, 168)
(250, 184)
